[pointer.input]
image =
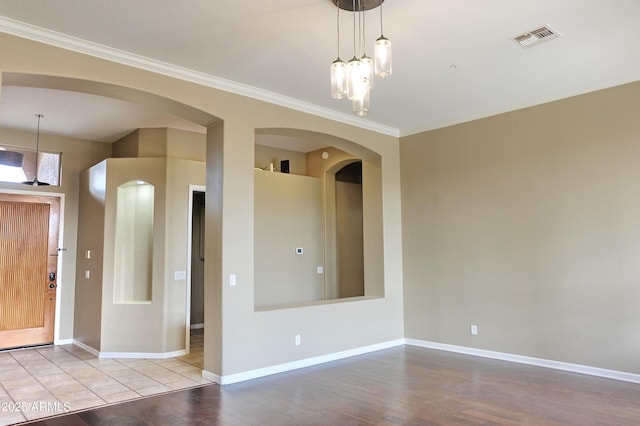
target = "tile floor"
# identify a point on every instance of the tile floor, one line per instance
(46, 381)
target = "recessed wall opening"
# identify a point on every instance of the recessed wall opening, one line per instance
(133, 263)
(317, 220)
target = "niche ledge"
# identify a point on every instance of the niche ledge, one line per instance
(315, 303)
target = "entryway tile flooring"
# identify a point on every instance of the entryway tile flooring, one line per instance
(46, 381)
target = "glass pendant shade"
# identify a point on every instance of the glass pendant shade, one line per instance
(353, 76)
(338, 79)
(382, 63)
(367, 69)
(361, 98)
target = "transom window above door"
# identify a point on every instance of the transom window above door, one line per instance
(18, 165)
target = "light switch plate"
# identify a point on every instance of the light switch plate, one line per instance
(180, 275)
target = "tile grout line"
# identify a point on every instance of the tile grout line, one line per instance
(11, 398)
(78, 381)
(57, 399)
(22, 366)
(70, 351)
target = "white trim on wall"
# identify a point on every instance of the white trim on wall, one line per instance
(308, 362)
(87, 348)
(294, 365)
(520, 359)
(143, 355)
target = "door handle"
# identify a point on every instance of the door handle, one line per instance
(52, 285)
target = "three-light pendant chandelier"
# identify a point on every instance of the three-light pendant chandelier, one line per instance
(354, 79)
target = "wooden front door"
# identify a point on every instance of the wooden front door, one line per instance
(28, 269)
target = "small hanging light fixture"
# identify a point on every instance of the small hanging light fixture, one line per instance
(382, 53)
(365, 61)
(359, 72)
(338, 69)
(35, 181)
(353, 66)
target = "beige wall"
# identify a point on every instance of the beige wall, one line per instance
(87, 327)
(162, 142)
(180, 174)
(234, 333)
(349, 239)
(76, 156)
(287, 215)
(128, 146)
(134, 327)
(526, 224)
(238, 339)
(159, 326)
(265, 155)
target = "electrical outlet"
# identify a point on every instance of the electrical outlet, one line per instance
(232, 280)
(474, 330)
(297, 340)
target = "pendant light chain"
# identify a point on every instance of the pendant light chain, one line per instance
(38, 142)
(35, 181)
(355, 54)
(338, 67)
(361, 49)
(381, 31)
(364, 32)
(338, 26)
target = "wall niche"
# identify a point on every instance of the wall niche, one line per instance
(133, 264)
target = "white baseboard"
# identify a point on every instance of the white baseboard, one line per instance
(144, 355)
(211, 376)
(87, 348)
(294, 365)
(63, 342)
(196, 326)
(539, 362)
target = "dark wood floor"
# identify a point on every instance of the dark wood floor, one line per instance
(403, 385)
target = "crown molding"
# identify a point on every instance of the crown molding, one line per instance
(53, 38)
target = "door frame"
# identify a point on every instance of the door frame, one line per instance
(60, 270)
(192, 190)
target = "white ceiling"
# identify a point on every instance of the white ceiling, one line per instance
(453, 60)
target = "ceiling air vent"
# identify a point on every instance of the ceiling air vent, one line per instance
(536, 36)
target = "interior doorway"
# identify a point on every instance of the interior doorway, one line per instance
(349, 230)
(29, 228)
(195, 273)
